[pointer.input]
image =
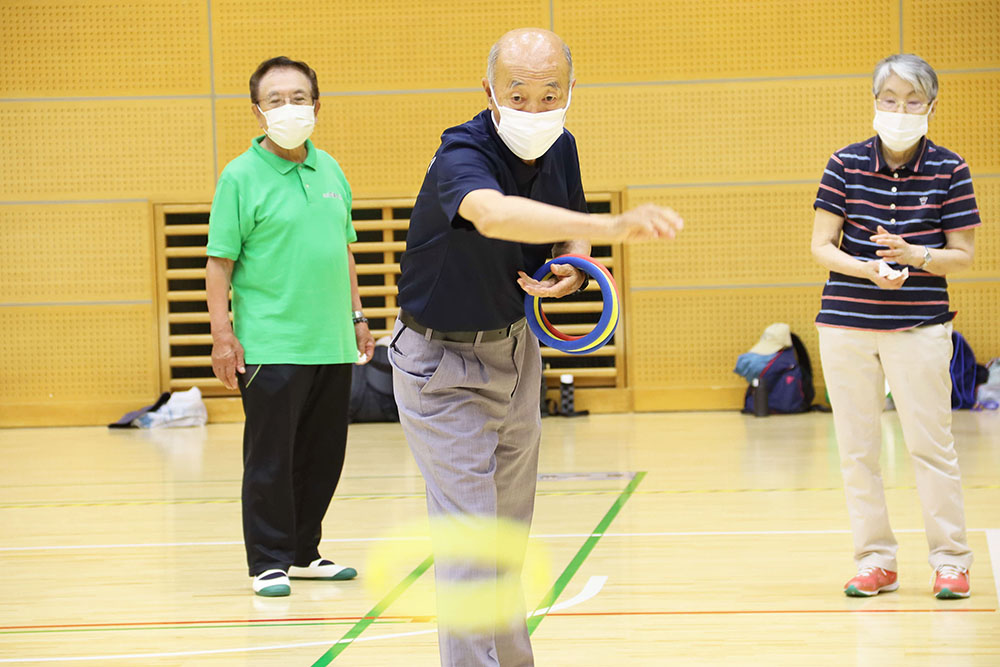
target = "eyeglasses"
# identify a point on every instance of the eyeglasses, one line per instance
(275, 101)
(889, 103)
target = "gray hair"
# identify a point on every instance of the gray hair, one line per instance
(491, 61)
(910, 68)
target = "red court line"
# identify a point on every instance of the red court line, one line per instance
(766, 611)
(300, 619)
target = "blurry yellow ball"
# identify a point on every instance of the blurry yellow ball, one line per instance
(486, 570)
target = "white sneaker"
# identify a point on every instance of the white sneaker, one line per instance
(321, 568)
(272, 584)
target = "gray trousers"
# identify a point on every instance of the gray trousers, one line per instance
(470, 412)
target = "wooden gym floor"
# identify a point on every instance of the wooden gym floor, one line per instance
(673, 538)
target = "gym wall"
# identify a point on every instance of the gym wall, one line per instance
(726, 111)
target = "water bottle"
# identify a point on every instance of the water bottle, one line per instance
(759, 397)
(567, 404)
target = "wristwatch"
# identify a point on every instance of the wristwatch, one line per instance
(358, 317)
(927, 258)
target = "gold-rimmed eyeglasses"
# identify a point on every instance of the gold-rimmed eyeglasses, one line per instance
(890, 103)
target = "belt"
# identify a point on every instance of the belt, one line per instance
(461, 336)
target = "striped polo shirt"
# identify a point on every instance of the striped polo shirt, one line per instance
(921, 201)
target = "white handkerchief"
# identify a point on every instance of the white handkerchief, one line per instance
(885, 271)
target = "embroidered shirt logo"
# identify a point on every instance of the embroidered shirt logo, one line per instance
(331, 195)
(923, 200)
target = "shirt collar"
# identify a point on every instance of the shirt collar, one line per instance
(280, 164)
(915, 164)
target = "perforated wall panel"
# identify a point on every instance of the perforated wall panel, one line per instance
(732, 235)
(385, 45)
(976, 304)
(760, 131)
(90, 48)
(70, 353)
(953, 34)
(640, 40)
(108, 150)
(731, 132)
(93, 252)
(692, 337)
(986, 262)
(967, 119)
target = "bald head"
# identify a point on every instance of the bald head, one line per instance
(529, 69)
(534, 49)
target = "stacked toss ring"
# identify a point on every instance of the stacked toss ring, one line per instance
(605, 329)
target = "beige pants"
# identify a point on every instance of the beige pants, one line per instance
(856, 365)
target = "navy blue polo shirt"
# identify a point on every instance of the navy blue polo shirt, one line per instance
(922, 201)
(454, 278)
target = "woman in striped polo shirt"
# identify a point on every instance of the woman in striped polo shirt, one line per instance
(895, 214)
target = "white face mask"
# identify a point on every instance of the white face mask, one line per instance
(529, 135)
(289, 125)
(899, 131)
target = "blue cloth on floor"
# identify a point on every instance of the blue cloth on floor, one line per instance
(750, 364)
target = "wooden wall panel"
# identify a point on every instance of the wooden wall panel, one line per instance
(75, 252)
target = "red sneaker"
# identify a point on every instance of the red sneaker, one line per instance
(871, 581)
(950, 582)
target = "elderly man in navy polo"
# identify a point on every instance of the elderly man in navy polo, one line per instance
(501, 195)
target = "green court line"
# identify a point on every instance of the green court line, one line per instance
(372, 615)
(533, 621)
(581, 555)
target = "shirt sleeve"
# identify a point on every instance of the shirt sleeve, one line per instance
(226, 222)
(460, 169)
(832, 188)
(349, 232)
(959, 210)
(577, 197)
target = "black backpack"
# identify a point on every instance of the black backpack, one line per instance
(371, 390)
(788, 380)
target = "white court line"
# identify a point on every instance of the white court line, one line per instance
(546, 536)
(150, 545)
(993, 546)
(592, 588)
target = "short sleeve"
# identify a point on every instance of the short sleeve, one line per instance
(460, 169)
(349, 232)
(959, 210)
(225, 236)
(574, 184)
(832, 188)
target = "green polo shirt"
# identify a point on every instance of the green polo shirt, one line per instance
(286, 226)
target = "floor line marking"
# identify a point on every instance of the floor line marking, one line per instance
(750, 612)
(539, 536)
(581, 555)
(226, 500)
(993, 548)
(205, 622)
(432, 631)
(214, 626)
(592, 588)
(341, 644)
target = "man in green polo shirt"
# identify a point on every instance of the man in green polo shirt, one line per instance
(278, 235)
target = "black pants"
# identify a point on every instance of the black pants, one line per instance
(293, 453)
